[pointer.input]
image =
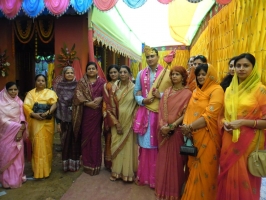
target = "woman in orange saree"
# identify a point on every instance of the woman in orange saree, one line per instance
(244, 118)
(200, 122)
(170, 174)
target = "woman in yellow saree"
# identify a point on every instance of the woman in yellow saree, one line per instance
(200, 121)
(41, 130)
(244, 118)
(122, 109)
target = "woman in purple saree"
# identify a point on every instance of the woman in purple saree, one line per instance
(87, 118)
(12, 129)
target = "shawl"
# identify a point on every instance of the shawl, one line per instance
(83, 93)
(65, 92)
(111, 111)
(243, 92)
(11, 110)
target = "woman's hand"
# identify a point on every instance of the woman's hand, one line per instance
(18, 136)
(148, 101)
(92, 105)
(156, 93)
(119, 128)
(236, 124)
(37, 116)
(227, 126)
(165, 130)
(185, 130)
(98, 100)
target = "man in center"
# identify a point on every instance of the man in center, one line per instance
(150, 85)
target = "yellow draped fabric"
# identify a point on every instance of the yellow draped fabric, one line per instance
(134, 69)
(238, 28)
(243, 92)
(180, 59)
(50, 75)
(40, 132)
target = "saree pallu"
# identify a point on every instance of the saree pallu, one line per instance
(40, 132)
(122, 146)
(170, 174)
(11, 151)
(205, 102)
(191, 80)
(108, 122)
(71, 148)
(235, 180)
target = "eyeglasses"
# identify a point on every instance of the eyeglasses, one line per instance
(150, 56)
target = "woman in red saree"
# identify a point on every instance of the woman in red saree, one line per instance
(244, 119)
(170, 174)
(12, 131)
(112, 77)
(201, 121)
(87, 118)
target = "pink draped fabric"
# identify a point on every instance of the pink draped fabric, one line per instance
(147, 166)
(165, 1)
(10, 8)
(104, 5)
(223, 2)
(57, 7)
(11, 151)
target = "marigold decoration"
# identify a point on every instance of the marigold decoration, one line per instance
(4, 65)
(66, 57)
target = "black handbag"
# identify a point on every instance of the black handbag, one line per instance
(42, 108)
(189, 150)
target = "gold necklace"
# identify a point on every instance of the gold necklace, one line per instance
(176, 89)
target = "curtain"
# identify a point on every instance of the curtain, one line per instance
(238, 28)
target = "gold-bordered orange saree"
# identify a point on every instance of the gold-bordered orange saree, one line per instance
(242, 101)
(206, 102)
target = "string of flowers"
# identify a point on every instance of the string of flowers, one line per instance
(4, 65)
(66, 57)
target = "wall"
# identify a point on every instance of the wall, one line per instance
(6, 44)
(70, 30)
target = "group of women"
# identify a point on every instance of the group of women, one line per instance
(224, 127)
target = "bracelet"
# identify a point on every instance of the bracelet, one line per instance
(191, 128)
(171, 126)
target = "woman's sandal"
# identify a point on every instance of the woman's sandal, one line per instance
(112, 178)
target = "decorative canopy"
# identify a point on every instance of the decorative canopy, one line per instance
(122, 28)
(33, 8)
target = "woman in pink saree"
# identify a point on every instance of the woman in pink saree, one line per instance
(12, 131)
(170, 174)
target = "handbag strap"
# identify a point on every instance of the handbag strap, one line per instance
(258, 142)
(191, 139)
